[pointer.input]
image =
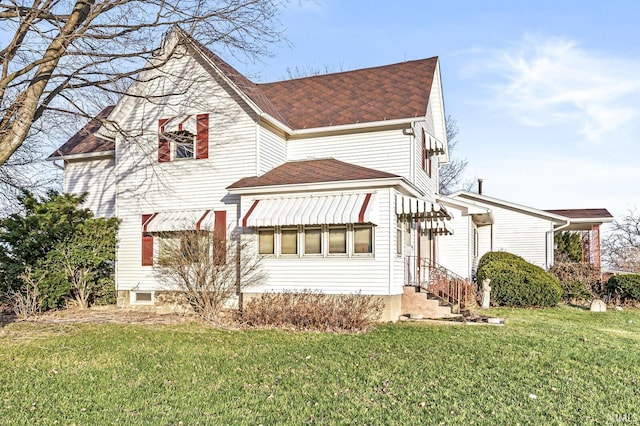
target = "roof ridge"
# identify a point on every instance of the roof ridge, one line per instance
(242, 82)
(365, 69)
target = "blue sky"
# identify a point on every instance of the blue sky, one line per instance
(546, 93)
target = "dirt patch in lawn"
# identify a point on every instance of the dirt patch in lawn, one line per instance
(104, 314)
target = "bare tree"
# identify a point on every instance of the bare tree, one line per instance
(621, 248)
(63, 55)
(450, 174)
(297, 72)
(207, 269)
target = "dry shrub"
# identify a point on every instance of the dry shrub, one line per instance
(311, 310)
(579, 281)
(26, 301)
(207, 269)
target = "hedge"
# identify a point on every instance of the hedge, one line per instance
(626, 287)
(516, 282)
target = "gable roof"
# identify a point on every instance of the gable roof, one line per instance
(242, 83)
(311, 171)
(484, 199)
(584, 213)
(86, 140)
(378, 94)
(366, 95)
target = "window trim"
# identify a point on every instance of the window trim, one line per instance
(173, 137)
(372, 236)
(298, 248)
(304, 241)
(324, 234)
(346, 240)
(274, 244)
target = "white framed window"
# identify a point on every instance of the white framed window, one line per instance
(337, 240)
(319, 241)
(289, 241)
(141, 297)
(399, 234)
(312, 240)
(182, 144)
(362, 239)
(407, 234)
(266, 241)
(192, 245)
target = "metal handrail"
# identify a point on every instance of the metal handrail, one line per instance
(437, 280)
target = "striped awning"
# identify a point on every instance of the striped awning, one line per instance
(312, 210)
(420, 209)
(182, 220)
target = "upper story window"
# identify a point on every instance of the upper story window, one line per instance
(426, 154)
(184, 137)
(182, 144)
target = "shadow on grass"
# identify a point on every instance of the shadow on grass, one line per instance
(578, 306)
(6, 319)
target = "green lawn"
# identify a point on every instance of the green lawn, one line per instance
(552, 366)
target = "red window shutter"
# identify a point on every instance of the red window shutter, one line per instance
(164, 146)
(424, 151)
(220, 236)
(202, 136)
(147, 242)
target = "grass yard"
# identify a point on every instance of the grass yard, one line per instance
(552, 366)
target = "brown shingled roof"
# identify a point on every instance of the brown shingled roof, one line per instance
(86, 140)
(311, 171)
(582, 213)
(248, 87)
(365, 95)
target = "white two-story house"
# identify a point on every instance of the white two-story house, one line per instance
(333, 177)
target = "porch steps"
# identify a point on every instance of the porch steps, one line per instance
(418, 305)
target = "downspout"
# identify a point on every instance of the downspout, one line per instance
(412, 141)
(547, 235)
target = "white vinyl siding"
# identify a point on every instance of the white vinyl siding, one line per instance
(516, 231)
(454, 251)
(96, 177)
(428, 184)
(388, 150)
(146, 186)
(339, 273)
(272, 150)
(521, 234)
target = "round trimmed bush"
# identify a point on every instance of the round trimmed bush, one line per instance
(626, 287)
(516, 282)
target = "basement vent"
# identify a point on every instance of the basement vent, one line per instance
(142, 298)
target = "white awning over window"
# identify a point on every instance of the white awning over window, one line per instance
(420, 209)
(183, 220)
(313, 210)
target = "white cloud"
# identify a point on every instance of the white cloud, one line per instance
(548, 81)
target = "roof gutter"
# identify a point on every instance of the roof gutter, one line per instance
(352, 126)
(81, 156)
(320, 186)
